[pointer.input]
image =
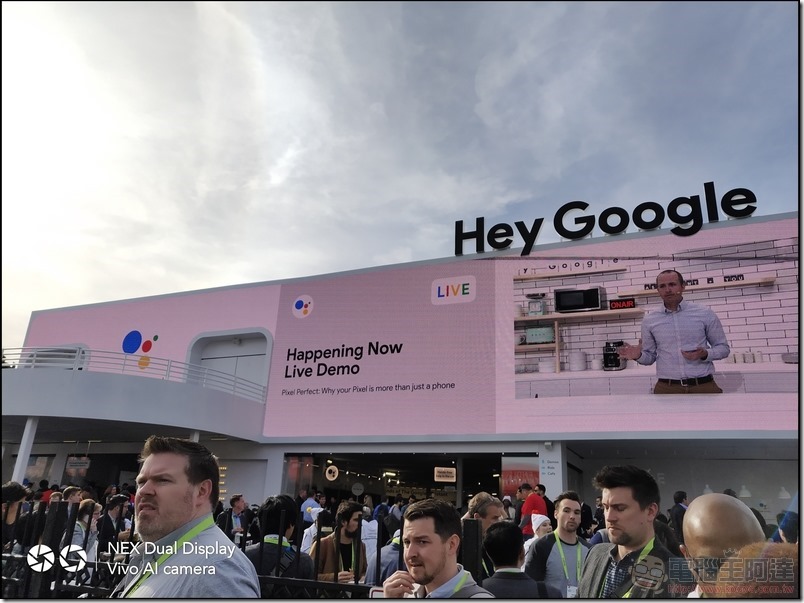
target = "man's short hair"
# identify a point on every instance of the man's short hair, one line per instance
(118, 500)
(86, 509)
(525, 486)
(445, 516)
(270, 514)
(503, 542)
(541, 489)
(201, 463)
(70, 490)
(481, 502)
(325, 522)
(676, 272)
(234, 498)
(568, 495)
(679, 496)
(644, 488)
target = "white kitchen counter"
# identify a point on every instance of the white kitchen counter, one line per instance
(637, 370)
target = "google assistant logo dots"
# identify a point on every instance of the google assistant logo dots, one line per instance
(303, 306)
(133, 343)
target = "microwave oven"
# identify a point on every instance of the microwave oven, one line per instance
(579, 300)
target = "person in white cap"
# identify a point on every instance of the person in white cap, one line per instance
(510, 510)
(541, 526)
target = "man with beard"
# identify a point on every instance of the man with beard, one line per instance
(342, 551)
(630, 498)
(557, 559)
(431, 537)
(183, 553)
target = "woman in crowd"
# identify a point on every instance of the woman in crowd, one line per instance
(85, 532)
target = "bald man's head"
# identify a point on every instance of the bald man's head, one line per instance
(716, 523)
(717, 526)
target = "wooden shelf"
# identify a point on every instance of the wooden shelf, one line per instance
(557, 318)
(534, 347)
(545, 275)
(762, 281)
(581, 316)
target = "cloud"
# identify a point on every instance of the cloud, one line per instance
(163, 147)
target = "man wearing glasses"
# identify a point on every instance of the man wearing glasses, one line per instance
(716, 526)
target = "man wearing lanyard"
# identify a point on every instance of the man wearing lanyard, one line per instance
(488, 510)
(236, 521)
(182, 553)
(557, 559)
(277, 515)
(630, 503)
(683, 339)
(338, 553)
(431, 537)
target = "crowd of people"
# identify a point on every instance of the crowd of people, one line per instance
(712, 546)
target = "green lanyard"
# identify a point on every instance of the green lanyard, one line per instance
(564, 561)
(275, 540)
(485, 567)
(207, 523)
(648, 548)
(354, 556)
(460, 584)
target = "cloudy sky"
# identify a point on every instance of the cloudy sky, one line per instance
(158, 147)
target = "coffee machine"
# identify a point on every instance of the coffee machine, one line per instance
(611, 357)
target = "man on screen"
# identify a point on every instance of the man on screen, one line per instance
(682, 338)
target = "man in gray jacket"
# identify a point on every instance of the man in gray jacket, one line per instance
(634, 564)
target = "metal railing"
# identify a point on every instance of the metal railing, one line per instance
(101, 361)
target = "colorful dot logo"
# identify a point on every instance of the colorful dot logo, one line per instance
(133, 343)
(303, 306)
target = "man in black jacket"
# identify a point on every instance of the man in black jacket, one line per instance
(236, 523)
(551, 507)
(111, 528)
(677, 514)
(634, 564)
(264, 555)
(504, 544)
